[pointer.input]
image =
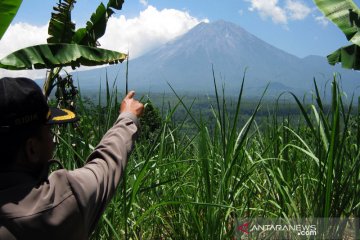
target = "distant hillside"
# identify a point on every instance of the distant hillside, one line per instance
(186, 64)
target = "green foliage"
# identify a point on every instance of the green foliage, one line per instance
(59, 55)
(96, 27)
(345, 14)
(66, 92)
(151, 123)
(65, 46)
(61, 28)
(115, 4)
(348, 56)
(62, 50)
(8, 10)
(196, 182)
(338, 12)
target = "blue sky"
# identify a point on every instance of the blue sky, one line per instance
(295, 26)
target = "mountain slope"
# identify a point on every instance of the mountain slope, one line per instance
(186, 63)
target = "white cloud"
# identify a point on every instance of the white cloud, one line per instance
(269, 8)
(322, 20)
(137, 35)
(150, 29)
(297, 10)
(22, 35)
(280, 14)
(144, 2)
(18, 36)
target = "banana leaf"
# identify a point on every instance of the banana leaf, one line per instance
(96, 27)
(116, 4)
(59, 55)
(345, 14)
(61, 28)
(348, 56)
(8, 10)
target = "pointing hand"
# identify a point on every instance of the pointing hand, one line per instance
(129, 104)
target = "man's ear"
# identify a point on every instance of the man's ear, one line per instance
(31, 150)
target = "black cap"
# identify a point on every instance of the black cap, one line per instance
(22, 104)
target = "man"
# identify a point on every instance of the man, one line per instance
(65, 204)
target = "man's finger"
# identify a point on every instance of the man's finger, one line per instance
(131, 94)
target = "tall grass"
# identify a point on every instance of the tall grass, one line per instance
(195, 185)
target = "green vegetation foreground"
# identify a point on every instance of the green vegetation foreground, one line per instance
(195, 184)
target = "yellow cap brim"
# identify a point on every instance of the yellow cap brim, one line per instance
(59, 116)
